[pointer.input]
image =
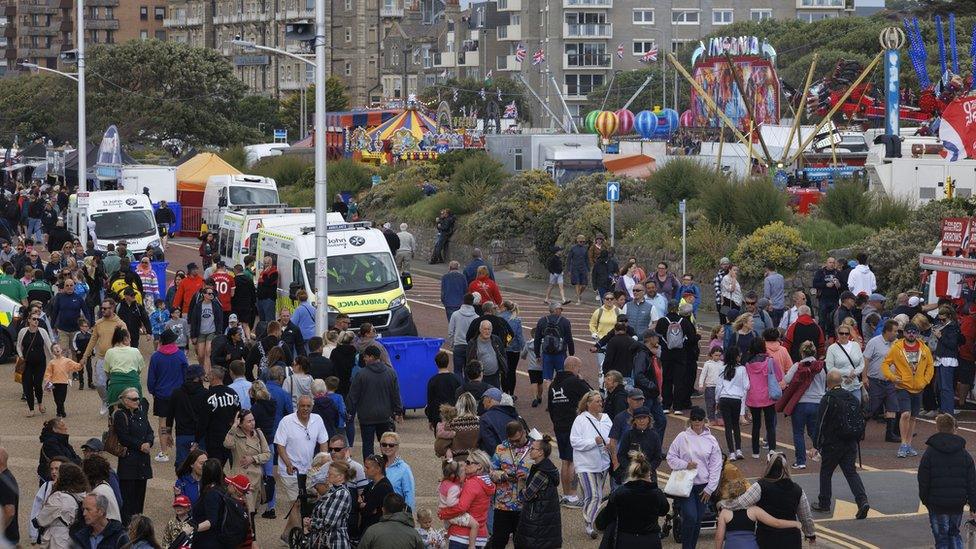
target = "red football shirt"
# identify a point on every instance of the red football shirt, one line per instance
(224, 284)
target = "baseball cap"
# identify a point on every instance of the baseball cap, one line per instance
(914, 301)
(94, 444)
(494, 393)
(635, 393)
(195, 371)
(724, 261)
(182, 501)
(877, 297)
(762, 303)
(232, 318)
(554, 306)
(240, 482)
(847, 294)
(642, 411)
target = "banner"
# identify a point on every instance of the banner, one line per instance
(109, 163)
(955, 231)
(957, 129)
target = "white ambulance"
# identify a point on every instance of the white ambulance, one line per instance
(116, 215)
(237, 236)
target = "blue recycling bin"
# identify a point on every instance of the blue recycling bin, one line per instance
(160, 268)
(413, 361)
(177, 214)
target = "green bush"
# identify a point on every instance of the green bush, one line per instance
(514, 211)
(477, 178)
(656, 236)
(235, 156)
(776, 243)
(849, 203)
(447, 163)
(349, 176)
(406, 195)
(286, 169)
(745, 206)
(888, 211)
(399, 187)
(708, 243)
(822, 235)
(427, 210)
(681, 178)
(297, 195)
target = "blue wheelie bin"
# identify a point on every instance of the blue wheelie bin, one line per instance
(413, 361)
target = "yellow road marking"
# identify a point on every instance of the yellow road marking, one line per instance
(842, 536)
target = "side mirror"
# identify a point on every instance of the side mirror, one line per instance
(407, 280)
(222, 202)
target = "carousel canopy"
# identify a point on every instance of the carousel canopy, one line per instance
(411, 119)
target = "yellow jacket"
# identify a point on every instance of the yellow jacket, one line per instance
(101, 339)
(895, 367)
(603, 320)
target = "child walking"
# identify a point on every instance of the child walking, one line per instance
(180, 327)
(708, 379)
(535, 370)
(731, 389)
(449, 492)
(78, 345)
(158, 319)
(57, 377)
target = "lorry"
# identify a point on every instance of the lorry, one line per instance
(227, 191)
(237, 235)
(363, 279)
(115, 216)
(158, 182)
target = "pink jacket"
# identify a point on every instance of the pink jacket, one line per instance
(780, 355)
(758, 370)
(702, 449)
(475, 500)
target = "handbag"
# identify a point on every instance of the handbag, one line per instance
(112, 443)
(19, 367)
(681, 482)
(775, 392)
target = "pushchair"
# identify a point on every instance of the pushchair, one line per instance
(672, 521)
(297, 537)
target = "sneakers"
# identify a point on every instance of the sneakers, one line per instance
(738, 454)
(755, 456)
(161, 457)
(574, 503)
(769, 456)
(103, 410)
(269, 514)
(911, 451)
(536, 402)
(820, 508)
(862, 511)
(591, 532)
(798, 466)
(733, 457)
(677, 413)
(902, 451)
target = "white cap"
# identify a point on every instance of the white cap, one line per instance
(232, 318)
(914, 301)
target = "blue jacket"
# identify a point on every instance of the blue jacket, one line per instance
(453, 288)
(692, 288)
(471, 270)
(492, 425)
(66, 310)
(514, 346)
(167, 371)
(304, 318)
(282, 400)
(341, 406)
(189, 487)
(401, 477)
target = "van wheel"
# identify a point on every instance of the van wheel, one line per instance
(6, 346)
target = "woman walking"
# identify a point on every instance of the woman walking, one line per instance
(540, 522)
(136, 435)
(731, 390)
(844, 355)
(737, 529)
(806, 385)
(328, 527)
(946, 355)
(123, 365)
(510, 312)
(475, 499)
(589, 437)
(61, 508)
(761, 404)
(633, 509)
(731, 290)
(249, 452)
(34, 348)
(741, 335)
(695, 449)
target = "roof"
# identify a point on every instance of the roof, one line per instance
(192, 175)
(35, 150)
(71, 159)
(639, 166)
(563, 152)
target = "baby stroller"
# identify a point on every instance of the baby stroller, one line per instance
(672, 521)
(297, 537)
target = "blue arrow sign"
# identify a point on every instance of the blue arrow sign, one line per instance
(613, 191)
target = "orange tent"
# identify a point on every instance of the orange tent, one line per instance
(192, 175)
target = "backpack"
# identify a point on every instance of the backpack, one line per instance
(79, 522)
(263, 363)
(850, 420)
(552, 338)
(234, 523)
(674, 337)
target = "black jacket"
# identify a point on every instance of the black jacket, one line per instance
(564, 395)
(540, 523)
(691, 336)
(57, 237)
(223, 404)
(646, 441)
(644, 377)
(134, 316)
(114, 536)
(831, 294)
(253, 359)
(477, 390)
(325, 408)
(946, 475)
(54, 445)
(440, 390)
(194, 319)
(634, 506)
(829, 418)
(343, 357)
(291, 335)
(615, 402)
(223, 351)
(565, 328)
(188, 409)
(620, 355)
(498, 346)
(245, 298)
(165, 215)
(133, 430)
(319, 366)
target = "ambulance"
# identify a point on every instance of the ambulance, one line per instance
(115, 216)
(226, 191)
(237, 236)
(363, 279)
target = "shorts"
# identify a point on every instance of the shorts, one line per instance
(552, 364)
(287, 488)
(965, 372)
(579, 277)
(565, 448)
(882, 391)
(555, 278)
(909, 402)
(205, 338)
(535, 376)
(162, 407)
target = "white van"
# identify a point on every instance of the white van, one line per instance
(159, 182)
(117, 215)
(227, 191)
(363, 279)
(237, 235)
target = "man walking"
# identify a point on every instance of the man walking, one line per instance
(134, 316)
(408, 246)
(375, 398)
(297, 439)
(840, 429)
(578, 264)
(803, 328)
(946, 482)
(723, 269)
(774, 290)
(564, 394)
(881, 391)
(223, 404)
(553, 341)
(453, 288)
(639, 311)
(457, 330)
(862, 280)
(100, 343)
(827, 282)
(909, 366)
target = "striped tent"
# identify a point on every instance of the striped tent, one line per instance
(411, 119)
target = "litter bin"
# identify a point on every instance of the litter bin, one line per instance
(413, 361)
(159, 267)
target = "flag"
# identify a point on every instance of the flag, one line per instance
(650, 56)
(488, 76)
(957, 129)
(482, 94)
(520, 53)
(538, 57)
(454, 93)
(511, 111)
(499, 90)
(620, 51)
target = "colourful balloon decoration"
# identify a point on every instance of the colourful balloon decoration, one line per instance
(686, 119)
(606, 124)
(667, 122)
(589, 123)
(625, 122)
(645, 123)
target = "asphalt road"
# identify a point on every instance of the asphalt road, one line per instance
(896, 520)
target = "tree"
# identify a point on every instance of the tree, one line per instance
(469, 96)
(336, 99)
(38, 105)
(156, 91)
(259, 113)
(627, 83)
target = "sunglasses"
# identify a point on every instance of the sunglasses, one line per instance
(843, 333)
(132, 399)
(335, 450)
(34, 318)
(469, 462)
(750, 302)
(106, 308)
(388, 445)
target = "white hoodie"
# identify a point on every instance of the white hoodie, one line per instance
(861, 280)
(588, 456)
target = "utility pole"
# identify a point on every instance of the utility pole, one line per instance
(321, 180)
(82, 130)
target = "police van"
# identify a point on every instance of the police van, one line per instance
(114, 216)
(363, 279)
(237, 236)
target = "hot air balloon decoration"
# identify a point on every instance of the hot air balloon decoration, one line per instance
(645, 123)
(606, 125)
(686, 119)
(589, 123)
(625, 122)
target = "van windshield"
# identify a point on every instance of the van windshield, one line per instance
(252, 195)
(357, 273)
(120, 225)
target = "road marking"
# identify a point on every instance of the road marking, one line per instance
(860, 543)
(957, 426)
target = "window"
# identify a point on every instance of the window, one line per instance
(722, 17)
(93, 12)
(296, 273)
(643, 17)
(109, 12)
(159, 13)
(348, 34)
(684, 17)
(582, 84)
(348, 70)
(760, 15)
(678, 45)
(821, 3)
(815, 16)
(160, 35)
(348, 5)
(642, 46)
(143, 13)
(143, 35)
(518, 159)
(109, 36)
(94, 36)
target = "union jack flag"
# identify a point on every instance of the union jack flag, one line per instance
(520, 53)
(482, 94)
(538, 57)
(650, 56)
(511, 111)
(620, 51)
(454, 92)
(499, 90)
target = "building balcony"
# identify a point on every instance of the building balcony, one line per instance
(391, 11)
(587, 61)
(39, 8)
(509, 5)
(32, 52)
(588, 30)
(100, 24)
(183, 22)
(819, 4)
(42, 31)
(468, 59)
(445, 60)
(10, 12)
(507, 63)
(101, 3)
(587, 3)
(510, 32)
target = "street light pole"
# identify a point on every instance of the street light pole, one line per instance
(82, 130)
(321, 182)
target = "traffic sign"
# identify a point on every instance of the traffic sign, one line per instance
(83, 199)
(613, 191)
(281, 134)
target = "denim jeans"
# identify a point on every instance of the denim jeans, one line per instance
(804, 418)
(945, 376)
(371, 431)
(945, 528)
(658, 416)
(267, 469)
(34, 230)
(182, 448)
(692, 511)
(266, 309)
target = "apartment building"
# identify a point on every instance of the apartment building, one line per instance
(140, 20)
(411, 43)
